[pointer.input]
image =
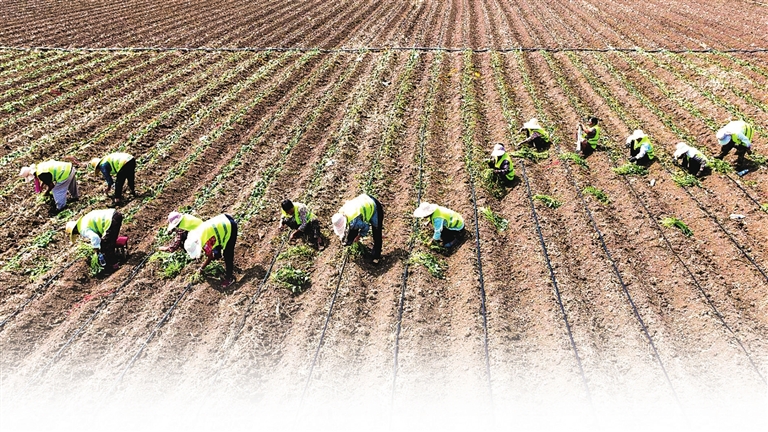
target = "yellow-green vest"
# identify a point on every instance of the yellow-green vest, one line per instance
(59, 170)
(595, 139)
(500, 160)
(452, 219)
(189, 222)
(296, 207)
(742, 126)
(115, 161)
(97, 221)
(219, 227)
(541, 132)
(645, 140)
(362, 205)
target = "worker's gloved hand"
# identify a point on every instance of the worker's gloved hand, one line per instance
(633, 159)
(102, 260)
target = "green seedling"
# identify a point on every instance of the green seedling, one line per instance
(548, 201)
(296, 280)
(719, 166)
(13, 264)
(631, 169)
(356, 250)
(84, 250)
(435, 266)
(493, 184)
(497, 221)
(598, 194)
(686, 180)
(530, 154)
(41, 268)
(673, 222)
(65, 215)
(43, 240)
(171, 263)
(759, 159)
(764, 207)
(300, 251)
(575, 158)
(214, 269)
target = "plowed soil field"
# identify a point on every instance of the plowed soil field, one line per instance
(590, 314)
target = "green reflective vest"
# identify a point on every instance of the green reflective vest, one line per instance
(645, 140)
(541, 132)
(59, 170)
(115, 161)
(189, 222)
(362, 205)
(745, 128)
(297, 206)
(452, 219)
(500, 160)
(595, 139)
(97, 221)
(219, 227)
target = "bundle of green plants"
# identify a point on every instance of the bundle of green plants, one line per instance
(493, 184)
(40, 268)
(171, 263)
(43, 240)
(357, 250)
(548, 201)
(631, 169)
(291, 278)
(719, 166)
(575, 158)
(673, 222)
(530, 154)
(497, 221)
(686, 180)
(598, 194)
(85, 251)
(759, 158)
(435, 266)
(299, 251)
(66, 214)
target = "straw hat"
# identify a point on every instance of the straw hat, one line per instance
(94, 162)
(28, 173)
(498, 150)
(636, 135)
(424, 210)
(680, 149)
(532, 124)
(339, 222)
(174, 219)
(70, 229)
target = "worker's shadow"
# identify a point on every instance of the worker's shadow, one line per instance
(388, 260)
(242, 277)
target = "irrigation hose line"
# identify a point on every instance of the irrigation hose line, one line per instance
(34, 295)
(384, 48)
(553, 278)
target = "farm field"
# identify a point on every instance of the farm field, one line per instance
(596, 307)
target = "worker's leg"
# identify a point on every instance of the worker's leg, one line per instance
(119, 182)
(130, 175)
(377, 225)
(724, 150)
(110, 238)
(73, 192)
(59, 192)
(540, 144)
(741, 151)
(229, 250)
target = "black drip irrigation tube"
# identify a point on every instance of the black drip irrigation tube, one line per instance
(693, 277)
(90, 319)
(555, 287)
(387, 48)
(325, 327)
(751, 198)
(36, 294)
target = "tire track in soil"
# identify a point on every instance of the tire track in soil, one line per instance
(157, 209)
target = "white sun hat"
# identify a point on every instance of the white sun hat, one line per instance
(636, 135)
(498, 150)
(532, 124)
(339, 222)
(93, 162)
(174, 219)
(28, 173)
(723, 136)
(70, 230)
(424, 210)
(193, 244)
(680, 149)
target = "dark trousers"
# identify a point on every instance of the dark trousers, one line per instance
(311, 230)
(645, 160)
(109, 239)
(449, 235)
(540, 144)
(377, 230)
(740, 150)
(229, 249)
(127, 172)
(693, 165)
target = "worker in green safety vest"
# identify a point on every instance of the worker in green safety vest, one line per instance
(355, 218)
(640, 148)
(736, 134)
(535, 134)
(101, 228)
(58, 177)
(180, 224)
(216, 238)
(590, 138)
(300, 218)
(500, 165)
(448, 225)
(690, 158)
(122, 167)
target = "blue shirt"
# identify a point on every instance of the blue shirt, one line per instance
(106, 173)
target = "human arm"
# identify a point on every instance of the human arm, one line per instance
(437, 224)
(360, 225)
(107, 175)
(503, 169)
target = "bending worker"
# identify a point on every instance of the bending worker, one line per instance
(736, 134)
(448, 225)
(588, 143)
(180, 224)
(298, 217)
(690, 158)
(355, 218)
(534, 134)
(216, 237)
(501, 165)
(58, 177)
(101, 228)
(122, 166)
(640, 148)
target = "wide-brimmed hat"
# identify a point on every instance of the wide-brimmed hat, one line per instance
(339, 222)
(70, 229)
(680, 149)
(723, 136)
(636, 135)
(94, 162)
(424, 210)
(498, 150)
(532, 124)
(174, 219)
(28, 173)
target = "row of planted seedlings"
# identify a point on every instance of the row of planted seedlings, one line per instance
(24, 77)
(684, 179)
(685, 247)
(255, 201)
(161, 149)
(184, 166)
(638, 267)
(15, 60)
